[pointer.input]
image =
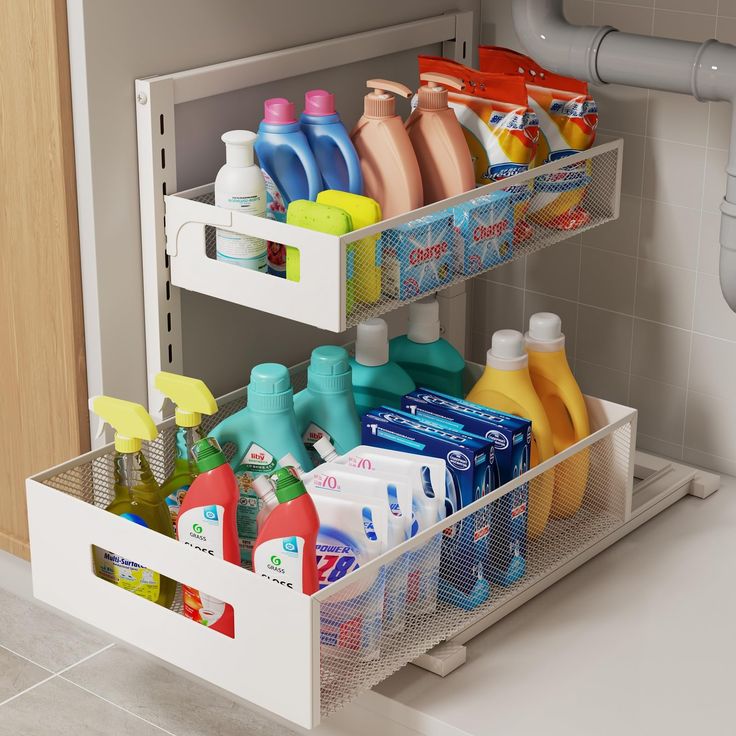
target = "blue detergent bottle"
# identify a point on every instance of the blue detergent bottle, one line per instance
(429, 359)
(376, 380)
(336, 156)
(288, 166)
(326, 407)
(262, 433)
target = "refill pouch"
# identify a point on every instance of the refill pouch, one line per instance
(470, 463)
(568, 118)
(394, 494)
(426, 477)
(352, 533)
(511, 435)
(499, 126)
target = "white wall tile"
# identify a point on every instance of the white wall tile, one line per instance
(710, 424)
(660, 353)
(661, 408)
(622, 108)
(713, 366)
(631, 177)
(607, 280)
(712, 315)
(685, 26)
(669, 234)
(479, 344)
(715, 178)
(555, 270)
(566, 310)
(677, 117)
(604, 338)
(626, 18)
(710, 247)
(605, 383)
(621, 235)
(726, 24)
(665, 294)
(673, 172)
(712, 462)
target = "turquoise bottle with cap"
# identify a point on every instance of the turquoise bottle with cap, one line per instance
(428, 358)
(264, 431)
(376, 380)
(326, 407)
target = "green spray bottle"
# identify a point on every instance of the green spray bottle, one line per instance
(192, 398)
(137, 498)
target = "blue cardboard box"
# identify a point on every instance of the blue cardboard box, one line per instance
(470, 463)
(417, 257)
(506, 561)
(484, 232)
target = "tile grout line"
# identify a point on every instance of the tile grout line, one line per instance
(115, 705)
(53, 674)
(27, 659)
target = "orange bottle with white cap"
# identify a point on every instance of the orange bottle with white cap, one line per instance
(435, 133)
(389, 165)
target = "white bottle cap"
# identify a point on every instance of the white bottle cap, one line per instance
(424, 321)
(263, 486)
(239, 147)
(545, 333)
(371, 343)
(507, 351)
(289, 461)
(325, 449)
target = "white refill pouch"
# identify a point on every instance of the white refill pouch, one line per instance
(395, 496)
(352, 533)
(427, 477)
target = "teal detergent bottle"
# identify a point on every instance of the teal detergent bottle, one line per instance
(428, 358)
(264, 431)
(326, 407)
(376, 380)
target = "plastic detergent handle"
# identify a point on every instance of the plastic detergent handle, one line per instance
(311, 170)
(229, 431)
(380, 86)
(352, 163)
(434, 79)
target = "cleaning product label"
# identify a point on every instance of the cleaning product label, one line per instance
(256, 461)
(173, 503)
(313, 433)
(202, 608)
(201, 528)
(281, 560)
(417, 257)
(243, 250)
(275, 210)
(127, 574)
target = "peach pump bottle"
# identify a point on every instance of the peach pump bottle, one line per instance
(389, 165)
(442, 152)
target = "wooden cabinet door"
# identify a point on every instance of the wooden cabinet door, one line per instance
(43, 393)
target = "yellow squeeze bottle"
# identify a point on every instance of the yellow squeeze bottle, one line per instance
(565, 406)
(192, 398)
(137, 499)
(363, 211)
(507, 386)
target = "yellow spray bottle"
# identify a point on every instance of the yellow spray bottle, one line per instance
(507, 386)
(192, 398)
(137, 498)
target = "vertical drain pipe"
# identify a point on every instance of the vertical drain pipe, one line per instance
(604, 55)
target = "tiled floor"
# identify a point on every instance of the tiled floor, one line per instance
(60, 678)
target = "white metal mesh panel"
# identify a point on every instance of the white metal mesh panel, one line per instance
(365, 656)
(530, 212)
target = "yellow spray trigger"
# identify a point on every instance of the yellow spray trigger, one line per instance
(191, 397)
(131, 422)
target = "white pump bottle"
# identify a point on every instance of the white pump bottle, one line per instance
(240, 186)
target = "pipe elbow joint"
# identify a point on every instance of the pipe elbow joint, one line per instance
(556, 44)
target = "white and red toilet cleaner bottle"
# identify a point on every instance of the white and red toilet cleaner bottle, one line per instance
(285, 550)
(208, 521)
